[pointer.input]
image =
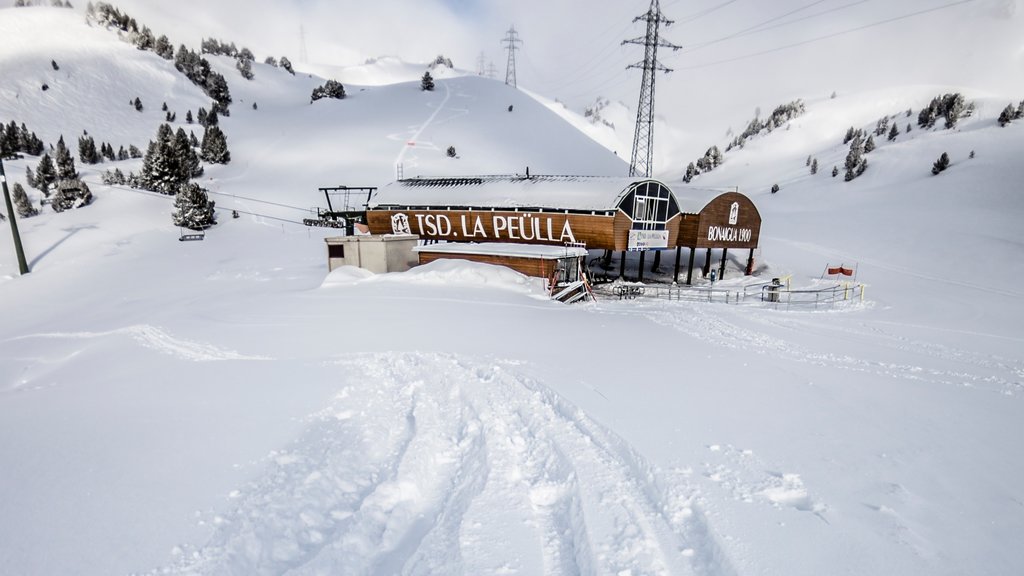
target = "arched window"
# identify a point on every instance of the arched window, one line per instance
(650, 205)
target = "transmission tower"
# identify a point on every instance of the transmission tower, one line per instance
(480, 69)
(492, 70)
(643, 137)
(303, 54)
(510, 40)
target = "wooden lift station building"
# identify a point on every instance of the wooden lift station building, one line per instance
(615, 214)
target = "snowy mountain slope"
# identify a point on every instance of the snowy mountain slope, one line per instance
(98, 79)
(226, 406)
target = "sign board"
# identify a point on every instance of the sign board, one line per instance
(463, 225)
(648, 239)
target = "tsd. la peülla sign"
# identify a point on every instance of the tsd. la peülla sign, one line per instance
(521, 227)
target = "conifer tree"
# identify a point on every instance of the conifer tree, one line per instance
(427, 82)
(122, 154)
(214, 148)
(193, 208)
(1007, 115)
(941, 164)
(30, 178)
(138, 104)
(65, 163)
(188, 117)
(21, 202)
(163, 48)
(87, 150)
(835, 171)
(1020, 111)
(244, 67)
(869, 146)
(814, 166)
(188, 160)
(287, 65)
(893, 133)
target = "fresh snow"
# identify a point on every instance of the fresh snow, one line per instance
(227, 406)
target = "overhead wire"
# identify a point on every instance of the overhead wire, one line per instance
(827, 36)
(752, 29)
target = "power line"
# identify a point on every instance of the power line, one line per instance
(762, 27)
(827, 36)
(258, 200)
(754, 28)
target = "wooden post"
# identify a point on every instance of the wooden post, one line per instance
(689, 268)
(679, 252)
(750, 263)
(640, 271)
(721, 266)
(622, 265)
(707, 264)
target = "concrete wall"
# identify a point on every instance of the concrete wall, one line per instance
(377, 253)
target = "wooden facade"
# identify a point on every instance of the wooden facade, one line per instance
(534, 267)
(729, 220)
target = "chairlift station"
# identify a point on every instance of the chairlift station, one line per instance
(598, 213)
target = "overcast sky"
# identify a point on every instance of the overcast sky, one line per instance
(736, 54)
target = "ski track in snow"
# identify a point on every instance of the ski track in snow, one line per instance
(155, 339)
(989, 373)
(438, 464)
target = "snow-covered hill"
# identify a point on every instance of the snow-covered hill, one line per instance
(226, 406)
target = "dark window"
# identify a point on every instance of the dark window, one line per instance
(335, 250)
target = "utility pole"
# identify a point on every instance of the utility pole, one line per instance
(643, 137)
(480, 70)
(22, 263)
(511, 39)
(303, 53)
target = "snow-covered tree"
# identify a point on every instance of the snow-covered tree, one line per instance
(244, 67)
(287, 65)
(188, 160)
(427, 82)
(855, 163)
(1007, 115)
(87, 150)
(451, 152)
(214, 148)
(65, 163)
(164, 48)
(941, 164)
(893, 132)
(330, 89)
(869, 145)
(814, 166)
(835, 171)
(70, 193)
(193, 208)
(169, 162)
(775, 188)
(138, 104)
(270, 60)
(21, 202)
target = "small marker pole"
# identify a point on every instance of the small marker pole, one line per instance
(22, 263)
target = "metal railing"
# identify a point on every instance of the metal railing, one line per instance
(771, 294)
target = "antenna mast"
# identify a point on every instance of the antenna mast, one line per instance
(511, 39)
(643, 138)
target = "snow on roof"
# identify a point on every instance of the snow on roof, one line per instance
(692, 199)
(505, 249)
(511, 191)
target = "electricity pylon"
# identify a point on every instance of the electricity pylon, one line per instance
(643, 138)
(510, 40)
